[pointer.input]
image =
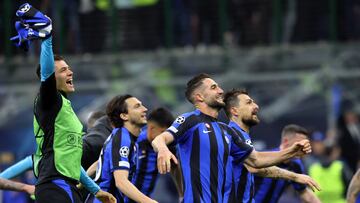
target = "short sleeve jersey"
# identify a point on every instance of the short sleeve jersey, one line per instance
(118, 153)
(204, 149)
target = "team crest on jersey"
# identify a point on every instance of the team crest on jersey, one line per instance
(248, 142)
(124, 151)
(180, 119)
(25, 8)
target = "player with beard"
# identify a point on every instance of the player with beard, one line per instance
(206, 146)
(116, 163)
(242, 112)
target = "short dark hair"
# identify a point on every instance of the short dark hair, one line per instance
(193, 84)
(115, 107)
(291, 129)
(162, 117)
(56, 58)
(231, 99)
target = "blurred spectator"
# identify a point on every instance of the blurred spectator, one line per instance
(141, 24)
(205, 22)
(349, 17)
(317, 139)
(183, 23)
(93, 116)
(312, 22)
(332, 174)
(65, 14)
(93, 24)
(250, 21)
(349, 138)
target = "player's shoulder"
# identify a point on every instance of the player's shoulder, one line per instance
(188, 116)
(122, 134)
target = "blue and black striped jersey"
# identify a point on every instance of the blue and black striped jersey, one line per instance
(118, 153)
(243, 185)
(146, 172)
(205, 146)
(268, 190)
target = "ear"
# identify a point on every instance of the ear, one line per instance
(285, 141)
(124, 116)
(199, 97)
(234, 111)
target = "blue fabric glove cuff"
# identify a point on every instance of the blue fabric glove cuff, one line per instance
(88, 183)
(18, 168)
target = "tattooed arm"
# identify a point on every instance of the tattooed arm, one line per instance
(354, 188)
(16, 186)
(276, 172)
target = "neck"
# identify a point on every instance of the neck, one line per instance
(205, 109)
(133, 129)
(242, 125)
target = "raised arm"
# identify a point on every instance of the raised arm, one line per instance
(47, 66)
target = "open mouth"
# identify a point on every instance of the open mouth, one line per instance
(69, 82)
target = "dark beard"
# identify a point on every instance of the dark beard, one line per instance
(250, 122)
(216, 105)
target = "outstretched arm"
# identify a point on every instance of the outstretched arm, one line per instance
(276, 172)
(354, 188)
(17, 169)
(16, 186)
(265, 159)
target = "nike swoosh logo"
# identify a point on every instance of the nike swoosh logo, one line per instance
(206, 131)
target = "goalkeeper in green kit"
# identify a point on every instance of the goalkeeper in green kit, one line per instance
(58, 131)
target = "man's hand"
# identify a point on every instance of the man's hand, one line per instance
(30, 189)
(307, 180)
(164, 160)
(105, 197)
(301, 148)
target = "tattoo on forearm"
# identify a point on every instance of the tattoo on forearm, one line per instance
(272, 172)
(11, 185)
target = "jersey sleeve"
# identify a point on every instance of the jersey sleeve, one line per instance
(49, 95)
(239, 149)
(180, 127)
(297, 167)
(120, 152)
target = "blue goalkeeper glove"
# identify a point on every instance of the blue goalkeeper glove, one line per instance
(33, 18)
(32, 25)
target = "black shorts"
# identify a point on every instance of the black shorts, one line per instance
(57, 191)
